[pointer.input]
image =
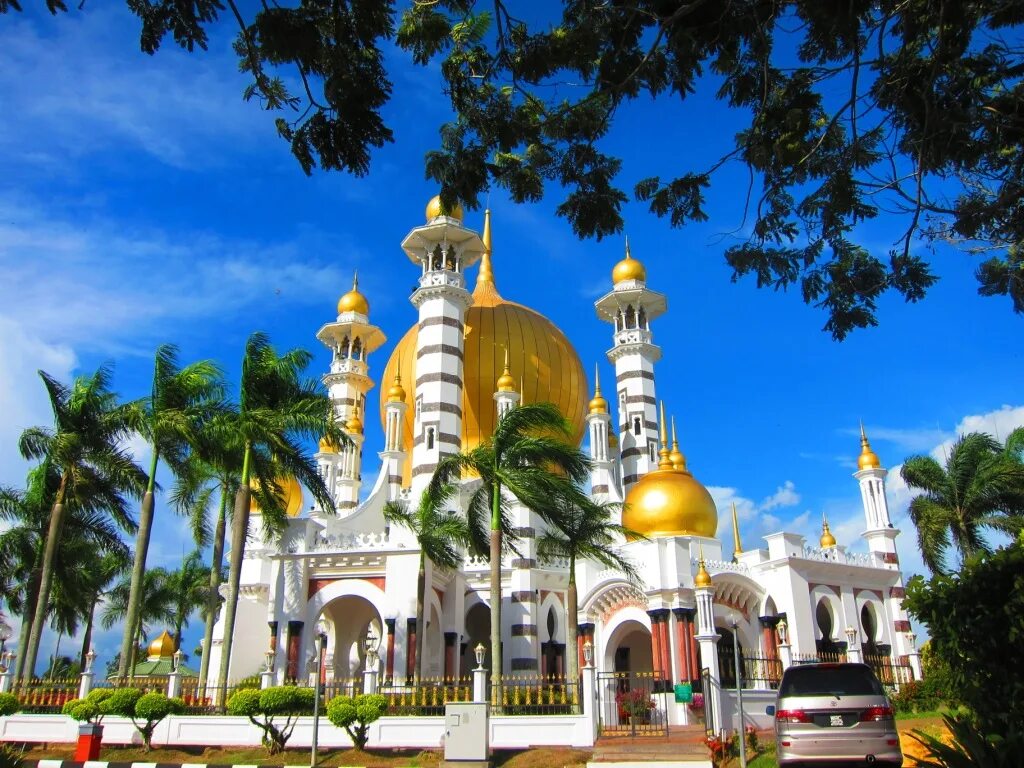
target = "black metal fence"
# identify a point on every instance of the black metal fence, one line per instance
(892, 674)
(627, 704)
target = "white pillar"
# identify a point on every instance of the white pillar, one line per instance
(707, 637)
(589, 699)
(785, 656)
(174, 685)
(85, 684)
(7, 676)
(479, 684)
(370, 680)
(914, 656)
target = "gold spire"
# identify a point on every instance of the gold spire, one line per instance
(354, 301)
(522, 392)
(676, 457)
(868, 459)
(665, 462)
(737, 545)
(827, 540)
(485, 277)
(598, 404)
(703, 578)
(505, 382)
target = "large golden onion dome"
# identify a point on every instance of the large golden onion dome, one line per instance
(670, 502)
(434, 209)
(354, 301)
(540, 356)
(868, 459)
(162, 647)
(628, 269)
(291, 496)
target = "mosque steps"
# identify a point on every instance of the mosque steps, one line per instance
(683, 746)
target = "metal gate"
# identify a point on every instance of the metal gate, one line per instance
(627, 704)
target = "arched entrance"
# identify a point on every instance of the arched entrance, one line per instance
(727, 657)
(478, 631)
(348, 620)
(628, 649)
(626, 687)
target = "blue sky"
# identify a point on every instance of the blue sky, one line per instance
(142, 201)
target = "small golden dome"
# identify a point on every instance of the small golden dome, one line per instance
(162, 647)
(667, 502)
(505, 382)
(703, 578)
(827, 540)
(434, 210)
(598, 404)
(868, 459)
(354, 425)
(327, 445)
(354, 301)
(628, 269)
(397, 392)
(613, 441)
(291, 496)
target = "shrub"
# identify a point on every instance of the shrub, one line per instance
(121, 701)
(355, 715)
(151, 708)
(970, 748)
(261, 707)
(11, 757)
(752, 743)
(90, 709)
(8, 704)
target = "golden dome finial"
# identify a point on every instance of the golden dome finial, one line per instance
(827, 540)
(703, 578)
(665, 462)
(628, 269)
(505, 382)
(397, 392)
(327, 445)
(485, 277)
(162, 647)
(435, 209)
(354, 301)
(868, 459)
(737, 545)
(598, 404)
(676, 456)
(354, 425)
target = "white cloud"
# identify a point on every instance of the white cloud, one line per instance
(785, 496)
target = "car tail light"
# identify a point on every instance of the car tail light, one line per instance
(874, 714)
(792, 716)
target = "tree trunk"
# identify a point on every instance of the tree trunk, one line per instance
(572, 654)
(56, 655)
(138, 568)
(87, 638)
(239, 530)
(496, 662)
(421, 600)
(31, 595)
(213, 600)
(45, 583)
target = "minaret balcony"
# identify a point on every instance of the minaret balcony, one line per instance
(442, 278)
(349, 365)
(634, 336)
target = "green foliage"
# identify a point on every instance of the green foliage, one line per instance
(151, 708)
(8, 704)
(11, 757)
(121, 701)
(90, 709)
(970, 748)
(355, 715)
(972, 619)
(262, 707)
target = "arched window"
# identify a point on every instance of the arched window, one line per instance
(869, 625)
(437, 258)
(823, 617)
(449, 258)
(430, 438)
(630, 317)
(343, 352)
(642, 318)
(637, 426)
(357, 349)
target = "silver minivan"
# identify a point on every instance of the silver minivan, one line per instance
(834, 714)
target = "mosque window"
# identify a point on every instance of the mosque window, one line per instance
(430, 438)
(357, 349)
(652, 450)
(642, 318)
(868, 623)
(823, 616)
(637, 426)
(630, 317)
(437, 258)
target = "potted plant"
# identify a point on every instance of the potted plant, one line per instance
(636, 705)
(697, 703)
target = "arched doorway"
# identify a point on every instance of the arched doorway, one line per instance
(348, 620)
(626, 690)
(727, 657)
(629, 649)
(478, 631)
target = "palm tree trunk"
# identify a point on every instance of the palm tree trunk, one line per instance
(495, 553)
(421, 629)
(31, 595)
(572, 598)
(45, 582)
(138, 566)
(213, 601)
(239, 530)
(87, 638)
(56, 653)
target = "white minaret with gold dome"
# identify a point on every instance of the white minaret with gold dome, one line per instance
(443, 249)
(394, 455)
(603, 481)
(351, 339)
(630, 307)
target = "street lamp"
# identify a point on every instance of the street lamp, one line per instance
(739, 689)
(321, 636)
(479, 652)
(588, 653)
(851, 635)
(783, 629)
(370, 646)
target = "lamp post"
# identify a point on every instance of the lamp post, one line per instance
(321, 637)
(588, 653)
(479, 652)
(739, 690)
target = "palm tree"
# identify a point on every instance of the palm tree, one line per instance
(441, 535)
(189, 584)
(181, 399)
(526, 457)
(981, 486)
(157, 608)
(23, 544)
(277, 408)
(584, 531)
(99, 576)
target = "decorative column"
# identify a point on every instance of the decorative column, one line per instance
(84, 685)
(479, 674)
(785, 652)
(664, 662)
(708, 638)
(682, 616)
(389, 668)
(410, 650)
(174, 678)
(451, 640)
(294, 650)
(588, 699)
(656, 649)
(914, 657)
(584, 635)
(267, 675)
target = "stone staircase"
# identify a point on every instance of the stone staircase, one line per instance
(683, 746)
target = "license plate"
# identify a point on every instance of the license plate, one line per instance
(835, 720)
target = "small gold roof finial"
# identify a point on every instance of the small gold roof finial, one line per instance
(598, 404)
(485, 277)
(827, 540)
(505, 382)
(397, 392)
(703, 578)
(665, 462)
(628, 268)
(737, 545)
(354, 301)
(676, 456)
(868, 459)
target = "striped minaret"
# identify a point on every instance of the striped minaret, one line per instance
(351, 339)
(443, 248)
(393, 454)
(630, 307)
(603, 483)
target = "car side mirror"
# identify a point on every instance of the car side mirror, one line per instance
(770, 710)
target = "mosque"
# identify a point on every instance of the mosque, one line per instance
(469, 356)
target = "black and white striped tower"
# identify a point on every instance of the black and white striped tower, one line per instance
(394, 455)
(351, 339)
(604, 484)
(443, 249)
(630, 307)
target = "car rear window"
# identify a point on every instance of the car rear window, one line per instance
(829, 681)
